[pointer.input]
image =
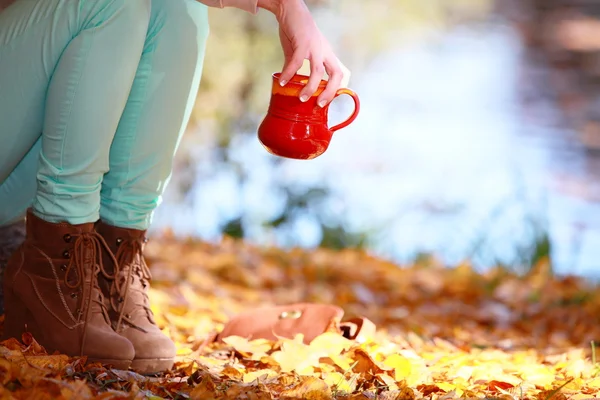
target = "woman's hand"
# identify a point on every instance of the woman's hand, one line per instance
(301, 39)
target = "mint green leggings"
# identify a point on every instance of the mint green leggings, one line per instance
(94, 98)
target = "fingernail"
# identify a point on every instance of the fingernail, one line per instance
(303, 98)
(282, 82)
(322, 103)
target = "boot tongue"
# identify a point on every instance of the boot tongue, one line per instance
(89, 265)
(92, 294)
(130, 298)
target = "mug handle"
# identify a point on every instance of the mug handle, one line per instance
(356, 108)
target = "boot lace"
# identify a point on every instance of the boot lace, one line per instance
(126, 288)
(87, 249)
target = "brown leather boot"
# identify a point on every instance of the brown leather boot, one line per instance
(51, 290)
(129, 304)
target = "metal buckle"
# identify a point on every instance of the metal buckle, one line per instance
(294, 314)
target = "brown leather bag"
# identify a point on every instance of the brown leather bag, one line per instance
(287, 321)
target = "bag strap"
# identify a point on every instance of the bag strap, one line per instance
(359, 329)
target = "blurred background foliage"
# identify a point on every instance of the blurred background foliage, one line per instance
(477, 137)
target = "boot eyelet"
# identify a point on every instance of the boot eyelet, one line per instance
(63, 268)
(121, 300)
(146, 240)
(74, 295)
(77, 311)
(66, 254)
(127, 316)
(119, 241)
(67, 238)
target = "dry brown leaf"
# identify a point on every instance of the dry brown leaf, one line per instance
(364, 363)
(232, 373)
(309, 388)
(405, 393)
(206, 389)
(443, 332)
(257, 392)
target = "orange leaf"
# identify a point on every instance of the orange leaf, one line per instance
(32, 345)
(206, 389)
(429, 389)
(309, 389)
(495, 385)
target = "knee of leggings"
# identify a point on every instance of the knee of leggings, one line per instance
(185, 20)
(142, 9)
(140, 13)
(134, 13)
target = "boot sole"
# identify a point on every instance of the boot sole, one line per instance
(116, 364)
(147, 366)
(18, 320)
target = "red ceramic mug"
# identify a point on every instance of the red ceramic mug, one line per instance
(294, 129)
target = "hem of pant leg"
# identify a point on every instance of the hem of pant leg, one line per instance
(143, 226)
(90, 219)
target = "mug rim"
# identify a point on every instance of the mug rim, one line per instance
(297, 79)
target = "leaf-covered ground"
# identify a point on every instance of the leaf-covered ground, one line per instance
(442, 333)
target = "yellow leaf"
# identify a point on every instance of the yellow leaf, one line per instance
(341, 362)
(578, 368)
(255, 348)
(55, 362)
(401, 365)
(445, 386)
(184, 350)
(258, 375)
(538, 375)
(339, 382)
(500, 376)
(296, 356)
(464, 372)
(594, 383)
(330, 343)
(212, 362)
(326, 366)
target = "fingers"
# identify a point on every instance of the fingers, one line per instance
(317, 70)
(332, 66)
(291, 67)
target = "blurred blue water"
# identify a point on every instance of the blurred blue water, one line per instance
(443, 158)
